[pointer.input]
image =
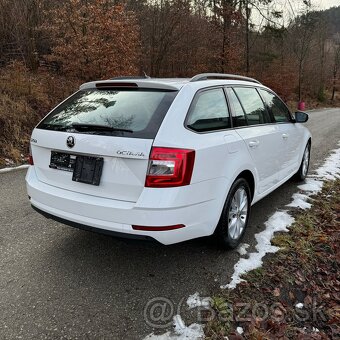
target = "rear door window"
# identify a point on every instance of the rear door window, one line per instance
(239, 118)
(276, 106)
(209, 111)
(132, 113)
(254, 108)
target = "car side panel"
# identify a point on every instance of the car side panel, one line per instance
(294, 137)
(262, 142)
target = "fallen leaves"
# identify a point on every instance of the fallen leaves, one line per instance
(276, 292)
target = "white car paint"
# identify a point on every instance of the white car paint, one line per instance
(272, 153)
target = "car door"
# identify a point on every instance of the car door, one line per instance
(290, 136)
(254, 124)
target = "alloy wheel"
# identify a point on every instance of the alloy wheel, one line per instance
(238, 213)
(305, 161)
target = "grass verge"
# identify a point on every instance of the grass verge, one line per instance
(296, 293)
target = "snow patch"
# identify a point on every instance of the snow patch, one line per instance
(280, 221)
(180, 332)
(299, 305)
(196, 301)
(2, 171)
(242, 249)
(312, 186)
(300, 201)
(239, 330)
(330, 169)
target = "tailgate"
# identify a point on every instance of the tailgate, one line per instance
(125, 162)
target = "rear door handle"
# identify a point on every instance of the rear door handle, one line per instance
(285, 136)
(254, 143)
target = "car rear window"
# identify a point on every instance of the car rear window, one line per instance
(136, 113)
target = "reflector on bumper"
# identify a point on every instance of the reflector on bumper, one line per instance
(170, 227)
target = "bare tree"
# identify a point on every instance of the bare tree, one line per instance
(301, 36)
(19, 22)
(336, 66)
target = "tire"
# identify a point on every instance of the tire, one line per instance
(304, 166)
(235, 215)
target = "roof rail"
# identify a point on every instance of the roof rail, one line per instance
(206, 76)
(130, 77)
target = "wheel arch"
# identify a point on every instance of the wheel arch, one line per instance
(245, 175)
(309, 141)
(250, 178)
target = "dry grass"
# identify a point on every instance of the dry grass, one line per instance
(24, 99)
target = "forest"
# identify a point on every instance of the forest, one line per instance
(48, 48)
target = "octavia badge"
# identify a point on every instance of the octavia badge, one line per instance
(70, 141)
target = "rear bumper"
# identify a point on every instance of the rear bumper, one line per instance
(89, 228)
(155, 207)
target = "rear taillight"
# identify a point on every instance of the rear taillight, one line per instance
(170, 167)
(30, 157)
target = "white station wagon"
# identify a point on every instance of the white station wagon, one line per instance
(167, 159)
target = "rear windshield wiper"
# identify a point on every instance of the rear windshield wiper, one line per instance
(55, 127)
(95, 127)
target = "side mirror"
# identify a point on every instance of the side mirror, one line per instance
(301, 117)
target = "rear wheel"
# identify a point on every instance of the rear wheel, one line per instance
(235, 215)
(303, 170)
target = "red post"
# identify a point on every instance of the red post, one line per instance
(301, 106)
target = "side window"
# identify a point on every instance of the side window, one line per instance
(209, 111)
(253, 106)
(277, 107)
(239, 118)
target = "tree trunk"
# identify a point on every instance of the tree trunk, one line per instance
(334, 82)
(226, 15)
(300, 80)
(247, 37)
